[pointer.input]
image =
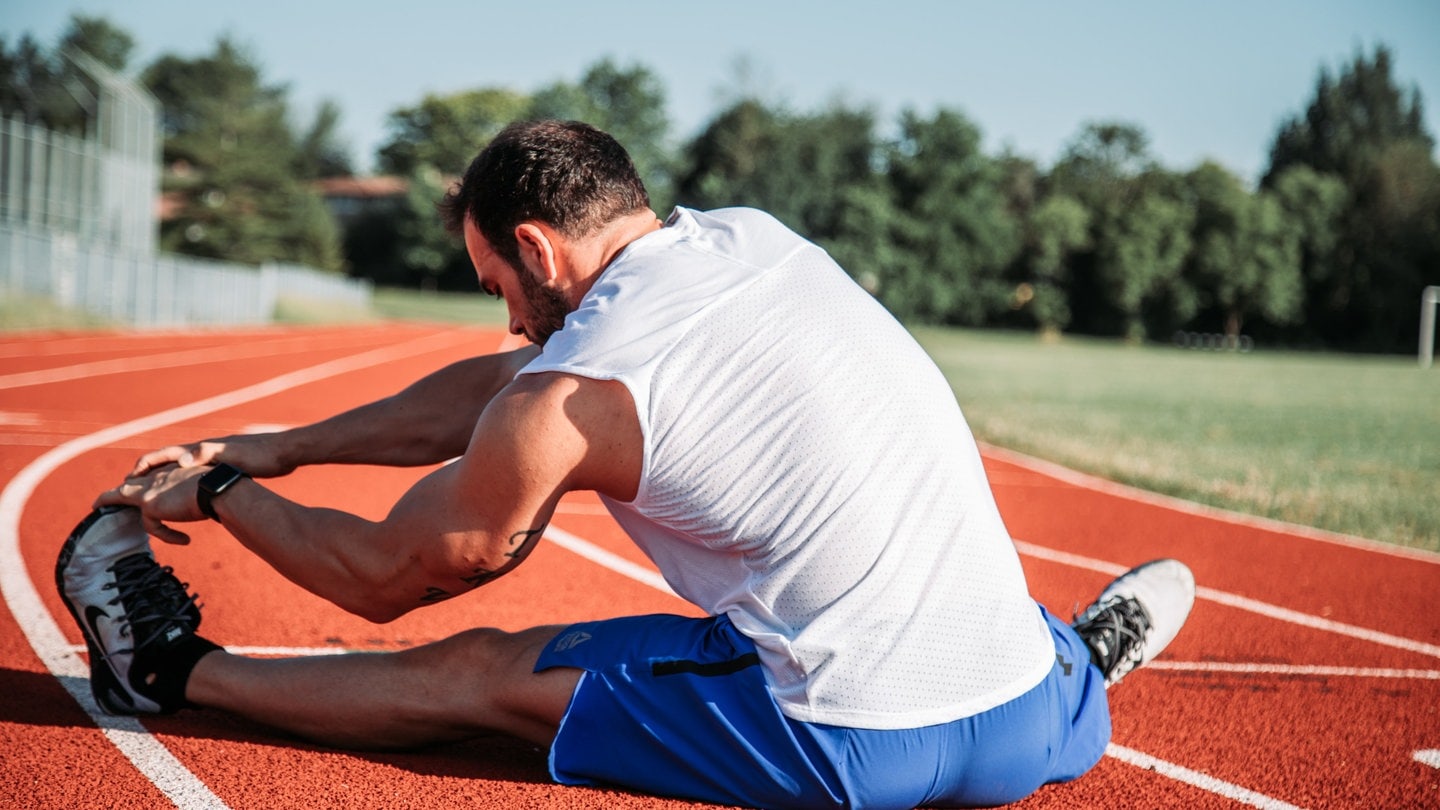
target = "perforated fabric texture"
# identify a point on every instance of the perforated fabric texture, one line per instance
(808, 472)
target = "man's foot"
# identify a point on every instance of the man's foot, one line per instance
(138, 621)
(1136, 616)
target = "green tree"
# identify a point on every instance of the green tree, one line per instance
(46, 87)
(726, 163)
(952, 222)
(1393, 229)
(1246, 255)
(629, 103)
(1100, 165)
(865, 243)
(99, 39)
(231, 158)
(320, 151)
(796, 167)
(447, 131)
(1351, 118)
(426, 249)
(1056, 229)
(1364, 130)
(1314, 203)
(1139, 226)
(1141, 251)
(922, 223)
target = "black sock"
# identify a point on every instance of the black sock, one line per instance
(165, 669)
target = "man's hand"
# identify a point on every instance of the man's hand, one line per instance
(167, 493)
(257, 454)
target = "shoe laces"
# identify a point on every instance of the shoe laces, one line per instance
(153, 600)
(1115, 632)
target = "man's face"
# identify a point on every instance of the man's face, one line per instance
(536, 311)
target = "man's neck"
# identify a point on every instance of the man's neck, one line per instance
(597, 250)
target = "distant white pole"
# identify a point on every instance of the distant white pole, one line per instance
(1428, 301)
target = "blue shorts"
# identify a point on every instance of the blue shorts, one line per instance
(676, 706)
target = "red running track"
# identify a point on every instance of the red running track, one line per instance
(1308, 675)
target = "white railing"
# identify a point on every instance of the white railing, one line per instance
(158, 290)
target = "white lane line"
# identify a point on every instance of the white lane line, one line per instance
(607, 559)
(593, 509)
(147, 754)
(1296, 670)
(1196, 779)
(187, 357)
(1429, 757)
(1107, 487)
(1243, 603)
(1316, 622)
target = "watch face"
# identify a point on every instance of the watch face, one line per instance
(219, 479)
(214, 483)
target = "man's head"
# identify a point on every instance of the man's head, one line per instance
(566, 174)
(542, 209)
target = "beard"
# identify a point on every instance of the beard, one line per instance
(547, 307)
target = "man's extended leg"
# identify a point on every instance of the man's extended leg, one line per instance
(140, 624)
(452, 689)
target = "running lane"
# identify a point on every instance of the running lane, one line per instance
(1307, 676)
(247, 605)
(1308, 673)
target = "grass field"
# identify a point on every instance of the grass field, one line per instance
(29, 312)
(1339, 442)
(1346, 443)
(421, 306)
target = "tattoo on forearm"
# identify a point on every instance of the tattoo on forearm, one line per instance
(434, 594)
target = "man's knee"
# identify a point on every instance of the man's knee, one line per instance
(484, 678)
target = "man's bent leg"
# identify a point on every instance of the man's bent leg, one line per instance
(478, 680)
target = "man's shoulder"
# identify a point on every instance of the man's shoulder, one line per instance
(591, 421)
(563, 395)
(738, 220)
(551, 384)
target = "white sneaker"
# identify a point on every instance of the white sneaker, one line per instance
(135, 615)
(1136, 616)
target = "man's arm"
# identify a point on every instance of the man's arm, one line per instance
(428, 422)
(459, 527)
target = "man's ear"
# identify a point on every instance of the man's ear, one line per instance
(538, 252)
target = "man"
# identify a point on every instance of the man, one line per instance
(778, 445)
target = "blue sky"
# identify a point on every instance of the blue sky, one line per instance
(1203, 80)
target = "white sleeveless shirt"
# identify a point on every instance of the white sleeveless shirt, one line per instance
(808, 473)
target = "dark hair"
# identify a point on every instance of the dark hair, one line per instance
(567, 174)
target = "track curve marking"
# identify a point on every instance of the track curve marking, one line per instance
(128, 734)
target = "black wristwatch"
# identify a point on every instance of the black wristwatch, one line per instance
(213, 484)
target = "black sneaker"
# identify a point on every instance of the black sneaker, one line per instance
(138, 620)
(1136, 616)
